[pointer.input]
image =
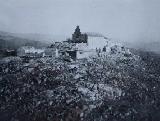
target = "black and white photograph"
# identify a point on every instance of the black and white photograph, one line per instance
(79, 60)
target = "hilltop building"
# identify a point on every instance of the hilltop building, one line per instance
(32, 52)
(80, 46)
(29, 51)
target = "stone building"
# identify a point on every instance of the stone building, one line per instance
(29, 51)
(80, 46)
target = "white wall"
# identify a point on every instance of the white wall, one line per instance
(89, 49)
(96, 42)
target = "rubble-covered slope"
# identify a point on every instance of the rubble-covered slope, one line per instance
(113, 85)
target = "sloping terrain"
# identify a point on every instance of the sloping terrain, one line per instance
(115, 85)
(11, 41)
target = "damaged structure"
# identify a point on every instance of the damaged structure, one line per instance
(78, 37)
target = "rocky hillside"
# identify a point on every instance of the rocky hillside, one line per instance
(114, 85)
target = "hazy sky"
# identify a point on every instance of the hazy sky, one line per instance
(124, 19)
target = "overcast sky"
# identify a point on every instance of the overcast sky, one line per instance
(129, 20)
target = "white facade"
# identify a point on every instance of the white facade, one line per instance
(96, 42)
(29, 50)
(85, 50)
(82, 46)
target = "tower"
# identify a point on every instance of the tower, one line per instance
(78, 37)
(77, 32)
